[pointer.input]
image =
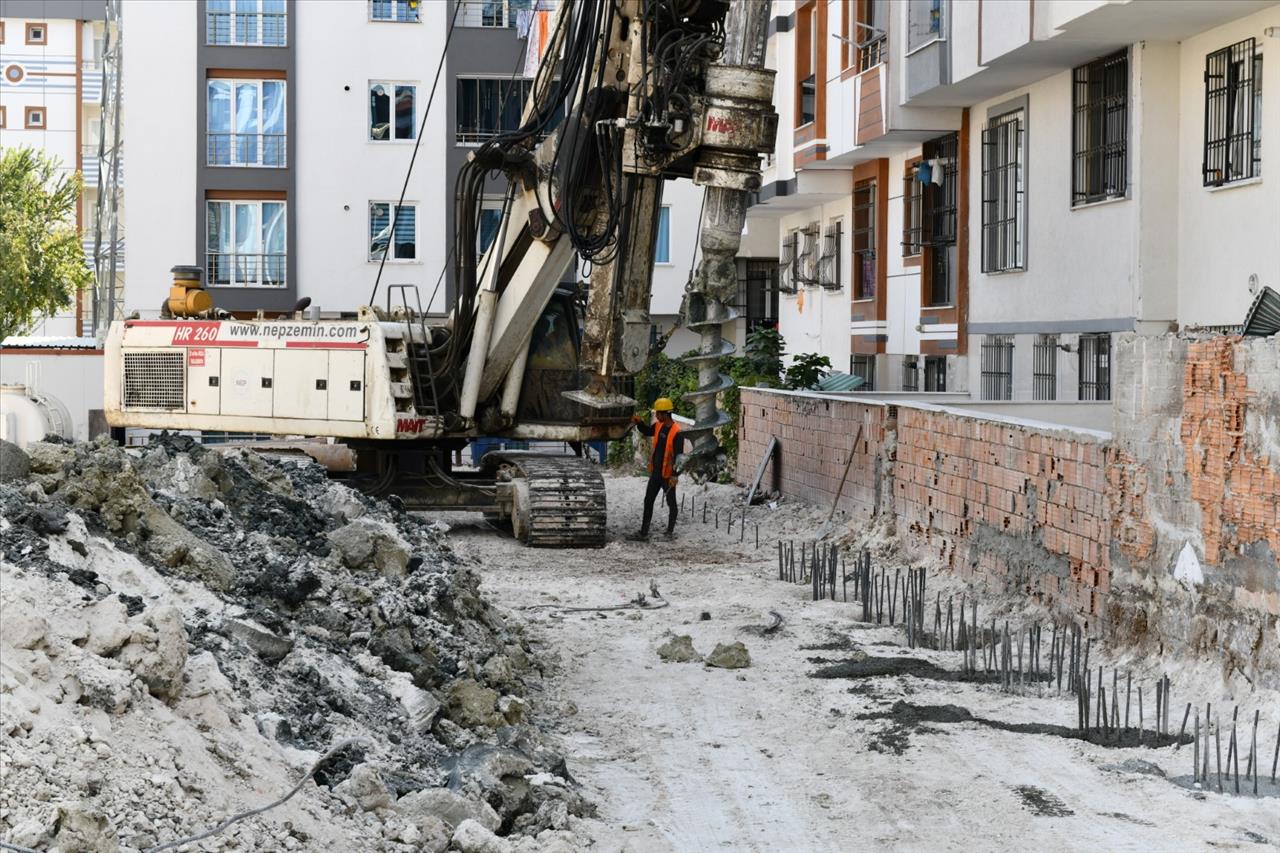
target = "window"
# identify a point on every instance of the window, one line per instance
(246, 22)
(910, 373)
(789, 263)
(997, 367)
(404, 236)
(864, 367)
(662, 237)
(830, 266)
(246, 243)
(393, 111)
(912, 211)
(1100, 129)
(1232, 114)
(487, 106)
(807, 64)
(246, 123)
(37, 33)
(490, 220)
(4, 122)
(871, 37)
(809, 258)
(1044, 369)
(1003, 193)
(758, 292)
(864, 240)
(399, 11)
(935, 373)
(1095, 367)
(35, 118)
(940, 191)
(493, 13)
(925, 22)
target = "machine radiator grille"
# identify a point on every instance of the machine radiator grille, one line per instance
(154, 380)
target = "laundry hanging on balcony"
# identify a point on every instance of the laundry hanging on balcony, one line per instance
(535, 25)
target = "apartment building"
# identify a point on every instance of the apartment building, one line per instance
(278, 137)
(993, 190)
(51, 54)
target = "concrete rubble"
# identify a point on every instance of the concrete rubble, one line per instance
(186, 632)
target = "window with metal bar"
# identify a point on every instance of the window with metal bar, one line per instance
(246, 22)
(245, 123)
(789, 263)
(808, 99)
(912, 211)
(1100, 129)
(864, 366)
(1232, 114)
(1095, 367)
(864, 240)
(830, 263)
(1003, 193)
(997, 367)
(910, 374)
(940, 202)
(808, 267)
(246, 243)
(935, 373)
(1044, 368)
(758, 292)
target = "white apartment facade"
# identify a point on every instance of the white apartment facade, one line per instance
(51, 100)
(993, 190)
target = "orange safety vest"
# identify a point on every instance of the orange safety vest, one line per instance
(668, 455)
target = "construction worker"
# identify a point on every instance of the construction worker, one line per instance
(668, 443)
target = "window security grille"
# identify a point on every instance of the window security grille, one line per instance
(1100, 129)
(910, 374)
(830, 264)
(1232, 114)
(864, 240)
(940, 203)
(1095, 367)
(758, 292)
(788, 264)
(912, 213)
(871, 53)
(864, 366)
(997, 367)
(935, 373)
(808, 267)
(1044, 370)
(1003, 203)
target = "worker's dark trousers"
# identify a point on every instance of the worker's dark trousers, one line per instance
(657, 484)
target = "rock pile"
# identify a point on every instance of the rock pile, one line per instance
(185, 632)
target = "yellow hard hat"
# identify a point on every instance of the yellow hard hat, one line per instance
(663, 404)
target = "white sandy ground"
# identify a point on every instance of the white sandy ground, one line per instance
(687, 758)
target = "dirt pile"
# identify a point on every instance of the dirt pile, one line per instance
(186, 632)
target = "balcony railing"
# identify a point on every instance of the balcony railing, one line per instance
(871, 53)
(498, 13)
(91, 166)
(268, 29)
(233, 269)
(268, 150)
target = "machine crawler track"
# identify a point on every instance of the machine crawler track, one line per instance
(559, 501)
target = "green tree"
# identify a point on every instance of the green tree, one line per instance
(42, 265)
(806, 370)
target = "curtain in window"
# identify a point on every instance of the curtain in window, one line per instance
(219, 122)
(406, 236)
(218, 238)
(246, 123)
(379, 112)
(273, 127)
(662, 240)
(248, 242)
(274, 232)
(379, 228)
(406, 116)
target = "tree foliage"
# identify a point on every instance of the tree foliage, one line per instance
(42, 264)
(806, 369)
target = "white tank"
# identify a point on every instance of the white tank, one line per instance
(26, 416)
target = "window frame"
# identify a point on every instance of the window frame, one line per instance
(996, 367)
(260, 16)
(260, 138)
(394, 208)
(910, 373)
(806, 51)
(663, 210)
(472, 138)
(935, 374)
(1100, 129)
(233, 254)
(395, 86)
(912, 210)
(830, 268)
(788, 262)
(1094, 383)
(415, 5)
(860, 254)
(43, 26)
(39, 109)
(863, 360)
(940, 219)
(934, 34)
(758, 291)
(810, 257)
(1219, 149)
(1001, 121)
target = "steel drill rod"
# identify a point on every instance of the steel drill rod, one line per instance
(1217, 748)
(1183, 728)
(1195, 758)
(1128, 689)
(1253, 750)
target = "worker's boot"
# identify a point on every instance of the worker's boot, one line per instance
(639, 536)
(669, 534)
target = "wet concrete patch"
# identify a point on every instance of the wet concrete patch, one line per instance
(1040, 802)
(875, 667)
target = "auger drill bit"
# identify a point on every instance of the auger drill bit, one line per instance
(715, 283)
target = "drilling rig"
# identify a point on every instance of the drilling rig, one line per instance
(629, 94)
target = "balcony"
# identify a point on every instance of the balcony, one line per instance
(496, 14)
(248, 150)
(246, 29)
(231, 269)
